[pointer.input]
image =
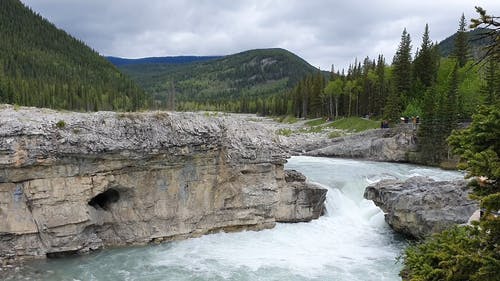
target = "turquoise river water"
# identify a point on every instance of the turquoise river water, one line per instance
(351, 242)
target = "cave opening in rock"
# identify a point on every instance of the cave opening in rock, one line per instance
(62, 254)
(103, 200)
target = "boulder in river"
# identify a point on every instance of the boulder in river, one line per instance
(300, 201)
(421, 206)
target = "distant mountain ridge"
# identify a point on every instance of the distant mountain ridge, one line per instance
(476, 43)
(250, 74)
(118, 61)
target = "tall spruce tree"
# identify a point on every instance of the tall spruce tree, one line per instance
(447, 114)
(461, 50)
(437, 108)
(491, 87)
(429, 141)
(451, 101)
(401, 84)
(426, 61)
(381, 86)
(440, 117)
(402, 65)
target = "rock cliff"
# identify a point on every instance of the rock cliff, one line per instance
(75, 182)
(393, 145)
(421, 206)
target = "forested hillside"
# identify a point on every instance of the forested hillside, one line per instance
(43, 66)
(231, 83)
(175, 59)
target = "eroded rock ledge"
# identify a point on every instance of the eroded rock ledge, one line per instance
(75, 182)
(392, 145)
(299, 200)
(420, 206)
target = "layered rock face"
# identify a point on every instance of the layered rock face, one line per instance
(300, 200)
(74, 182)
(420, 206)
(393, 145)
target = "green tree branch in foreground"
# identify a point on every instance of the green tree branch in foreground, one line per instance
(467, 252)
(472, 252)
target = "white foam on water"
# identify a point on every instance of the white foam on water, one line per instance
(351, 242)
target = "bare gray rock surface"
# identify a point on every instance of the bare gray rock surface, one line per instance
(294, 176)
(300, 201)
(420, 206)
(393, 145)
(75, 182)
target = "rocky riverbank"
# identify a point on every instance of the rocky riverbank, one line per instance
(391, 145)
(76, 182)
(396, 144)
(420, 206)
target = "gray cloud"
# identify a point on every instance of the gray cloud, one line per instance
(323, 32)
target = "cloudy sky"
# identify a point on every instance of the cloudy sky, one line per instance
(323, 32)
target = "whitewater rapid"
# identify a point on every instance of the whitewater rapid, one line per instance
(351, 242)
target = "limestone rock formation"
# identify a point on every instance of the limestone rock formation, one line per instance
(300, 201)
(75, 182)
(421, 206)
(393, 145)
(294, 176)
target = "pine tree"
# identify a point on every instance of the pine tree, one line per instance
(392, 109)
(430, 143)
(316, 89)
(491, 88)
(451, 106)
(381, 87)
(298, 99)
(448, 114)
(440, 117)
(305, 97)
(426, 62)
(401, 77)
(461, 43)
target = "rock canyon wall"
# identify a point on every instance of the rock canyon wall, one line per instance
(76, 182)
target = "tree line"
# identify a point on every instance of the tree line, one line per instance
(442, 92)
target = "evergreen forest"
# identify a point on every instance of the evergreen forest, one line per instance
(43, 66)
(375, 87)
(242, 82)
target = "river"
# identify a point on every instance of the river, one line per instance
(351, 242)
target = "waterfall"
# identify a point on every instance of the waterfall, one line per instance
(351, 242)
